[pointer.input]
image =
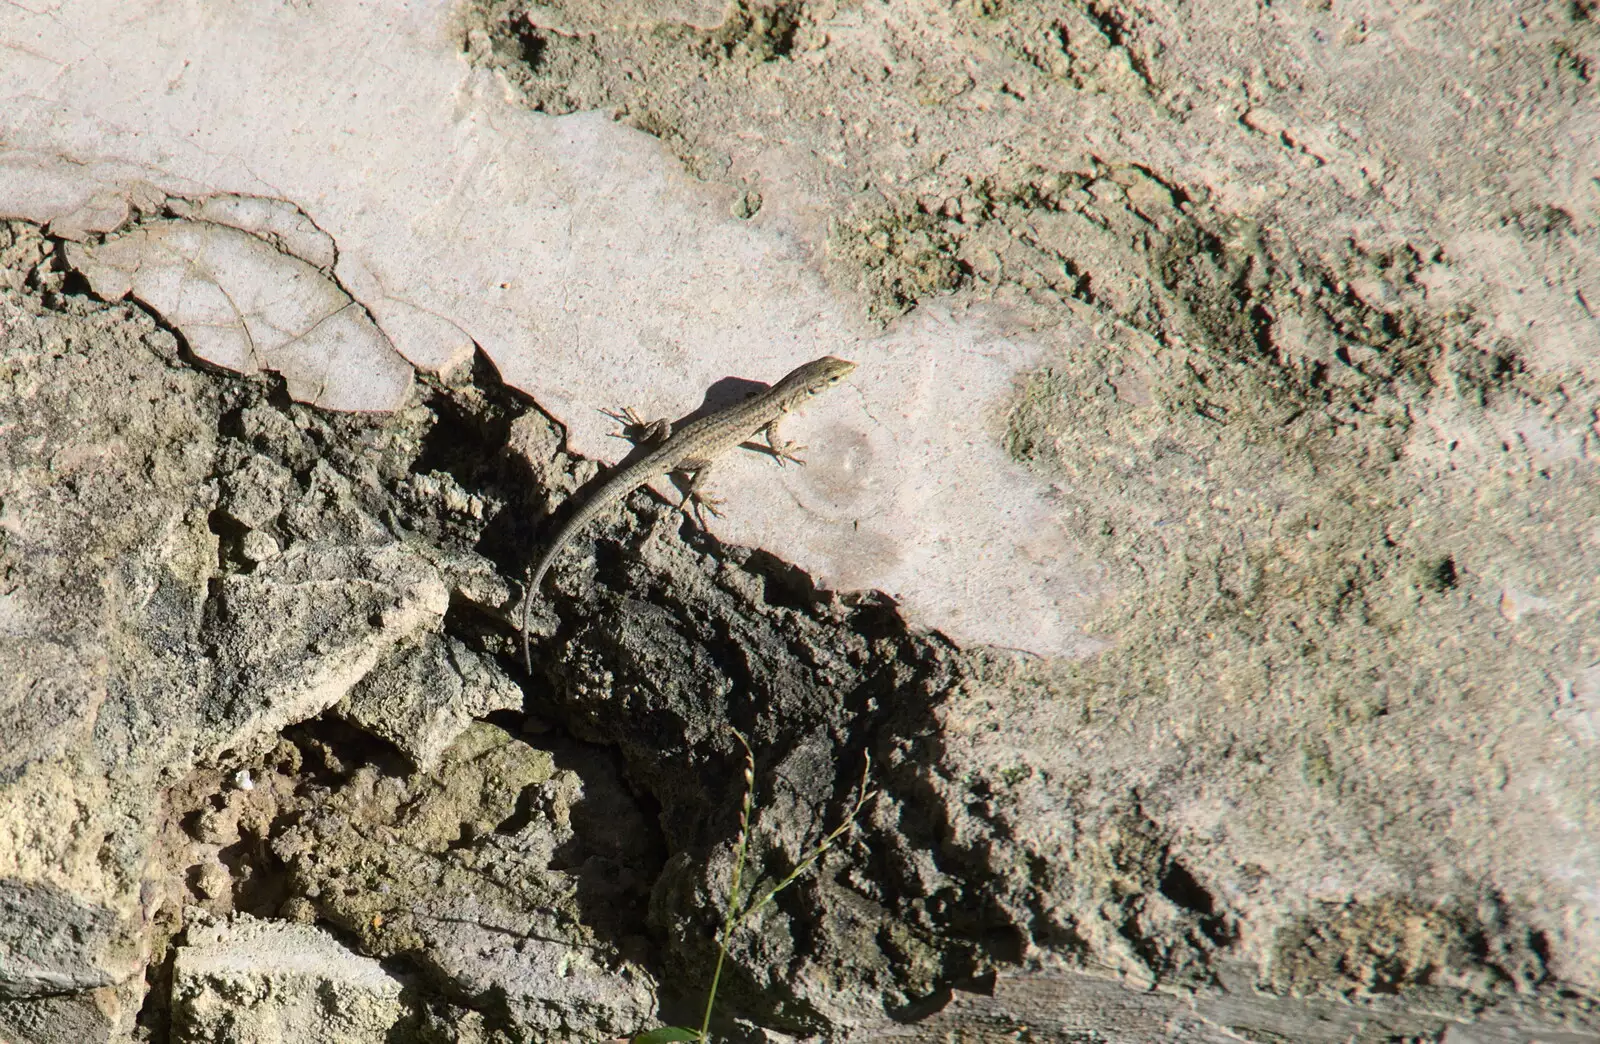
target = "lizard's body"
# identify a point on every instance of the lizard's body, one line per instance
(692, 448)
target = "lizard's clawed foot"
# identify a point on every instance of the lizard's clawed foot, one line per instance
(636, 429)
(789, 451)
(701, 504)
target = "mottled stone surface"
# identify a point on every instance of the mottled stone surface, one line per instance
(1260, 398)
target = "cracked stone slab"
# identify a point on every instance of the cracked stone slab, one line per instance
(553, 988)
(51, 941)
(245, 306)
(424, 696)
(438, 868)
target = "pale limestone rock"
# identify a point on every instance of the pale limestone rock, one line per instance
(269, 981)
(328, 614)
(245, 305)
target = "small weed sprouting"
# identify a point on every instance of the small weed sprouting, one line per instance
(741, 909)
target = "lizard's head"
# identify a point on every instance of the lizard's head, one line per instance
(818, 375)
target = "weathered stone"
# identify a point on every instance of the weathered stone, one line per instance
(79, 1018)
(423, 695)
(266, 982)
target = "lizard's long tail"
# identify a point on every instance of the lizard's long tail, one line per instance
(535, 575)
(527, 605)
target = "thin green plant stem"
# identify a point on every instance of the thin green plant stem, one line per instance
(737, 916)
(846, 824)
(733, 917)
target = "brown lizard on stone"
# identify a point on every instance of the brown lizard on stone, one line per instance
(691, 449)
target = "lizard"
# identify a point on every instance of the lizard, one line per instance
(691, 449)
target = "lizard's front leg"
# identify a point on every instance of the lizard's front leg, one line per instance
(781, 448)
(637, 430)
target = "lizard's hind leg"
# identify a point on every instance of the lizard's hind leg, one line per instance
(696, 498)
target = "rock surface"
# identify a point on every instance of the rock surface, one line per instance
(249, 980)
(244, 305)
(592, 272)
(1264, 399)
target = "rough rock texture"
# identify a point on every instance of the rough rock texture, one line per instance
(90, 1017)
(105, 554)
(423, 696)
(475, 871)
(1331, 775)
(262, 981)
(1072, 147)
(217, 554)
